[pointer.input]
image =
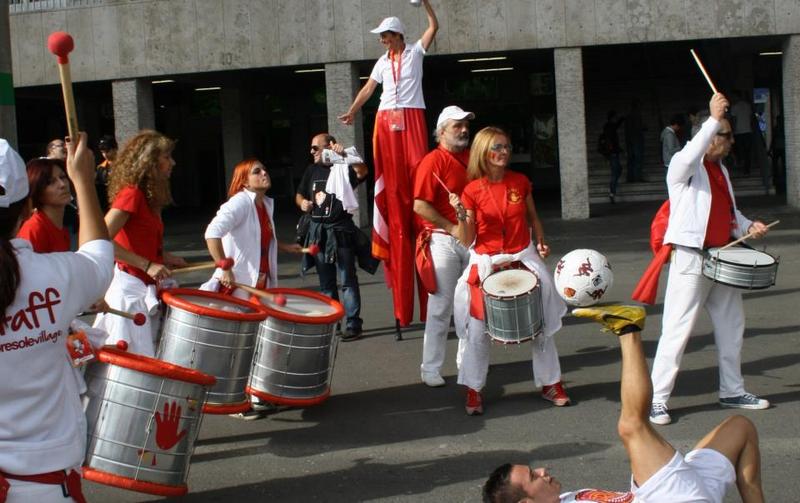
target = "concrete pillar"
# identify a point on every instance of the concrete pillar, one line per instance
(133, 107)
(571, 114)
(341, 86)
(791, 117)
(8, 118)
(234, 148)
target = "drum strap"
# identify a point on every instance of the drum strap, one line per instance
(70, 483)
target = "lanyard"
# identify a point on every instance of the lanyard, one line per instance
(500, 212)
(396, 76)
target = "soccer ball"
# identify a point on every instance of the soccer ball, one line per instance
(582, 277)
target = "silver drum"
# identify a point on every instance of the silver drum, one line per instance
(512, 301)
(740, 267)
(143, 418)
(296, 349)
(215, 334)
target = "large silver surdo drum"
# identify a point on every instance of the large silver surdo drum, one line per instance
(143, 418)
(296, 349)
(215, 334)
(740, 267)
(512, 301)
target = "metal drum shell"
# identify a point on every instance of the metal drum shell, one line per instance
(121, 406)
(294, 358)
(514, 319)
(218, 343)
(739, 275)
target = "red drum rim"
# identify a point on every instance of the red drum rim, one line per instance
(141, 486)
(293, 402)
(141, 363)
(309, 320)
(171, 297)
(226, 408)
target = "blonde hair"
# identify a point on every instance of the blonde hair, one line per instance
(137, 165)
(481, 145)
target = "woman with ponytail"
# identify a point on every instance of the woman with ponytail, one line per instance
(42, 425)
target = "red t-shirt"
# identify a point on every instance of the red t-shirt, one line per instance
(266, 237)
(143, 233)
(720, 218)
(43, 234)
(451, 168)
(501, 222)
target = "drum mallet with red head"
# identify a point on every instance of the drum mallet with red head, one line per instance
(276, 298)
(311, 250)
(224, 264)
(61, 44)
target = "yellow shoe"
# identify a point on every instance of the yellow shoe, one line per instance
(618, 319)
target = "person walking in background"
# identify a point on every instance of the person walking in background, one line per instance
(634, 142)
(670, 139)
(612, 151)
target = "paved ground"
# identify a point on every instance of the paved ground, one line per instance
(384, 436)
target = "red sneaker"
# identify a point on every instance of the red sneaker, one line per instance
(555, 393)
(474, 405)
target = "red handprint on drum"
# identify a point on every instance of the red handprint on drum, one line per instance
(167, 426)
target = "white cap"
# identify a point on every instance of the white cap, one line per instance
(453, 112)
(13, 176)
(390, 24)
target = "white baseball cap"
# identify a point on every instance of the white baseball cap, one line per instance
(390, 24)
(453, 112)
(13, 176)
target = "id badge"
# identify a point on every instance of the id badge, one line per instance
(397, 119)
(79, 350)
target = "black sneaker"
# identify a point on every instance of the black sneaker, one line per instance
(351, 334)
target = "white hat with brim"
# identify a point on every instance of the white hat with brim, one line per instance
(390, 24)
(13, 176)
(453, 112)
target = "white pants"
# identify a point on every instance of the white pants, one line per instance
(688, 291)
(449, 260)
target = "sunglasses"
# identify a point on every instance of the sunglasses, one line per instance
(497, 147)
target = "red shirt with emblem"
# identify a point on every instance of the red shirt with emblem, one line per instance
(143, 233)
(43, 234)
(501, 222)
(720, 218)
(451, 168)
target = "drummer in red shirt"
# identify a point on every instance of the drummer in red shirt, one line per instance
(138, 191)
(497, 224)
(50, 194)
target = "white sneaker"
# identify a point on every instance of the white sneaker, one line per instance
(659, 414)
(433, 380)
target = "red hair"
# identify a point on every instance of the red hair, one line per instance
(240, 173)
(40, 173)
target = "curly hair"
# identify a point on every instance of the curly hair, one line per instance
(137, 165)
(479, 151)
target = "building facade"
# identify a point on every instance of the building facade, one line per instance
(236, 78)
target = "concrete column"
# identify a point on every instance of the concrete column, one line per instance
(341, 86)
(571, 114)
(8, 118)
(133, 107)
(233, 141)
(791, 117)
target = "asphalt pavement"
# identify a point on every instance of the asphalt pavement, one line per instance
(384, 436)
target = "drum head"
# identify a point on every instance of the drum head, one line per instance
(212, 304)
(742, 256)
(509, 283)
(303, 306)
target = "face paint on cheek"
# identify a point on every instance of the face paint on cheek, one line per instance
(495, 157)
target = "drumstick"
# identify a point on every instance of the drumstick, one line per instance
(224, 264)
(272, 297)
(311, 250)
(61, 44)
(748, 235)
(139, 319)
(703, 69)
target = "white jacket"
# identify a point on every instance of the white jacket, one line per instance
(236, 223)
(42, 424)
(690, 192)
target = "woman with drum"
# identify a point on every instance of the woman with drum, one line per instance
(49, 195)
(496, 214)
(703, 215)
(244, 230)
(138, 191)
(43, 437)
(400, 141)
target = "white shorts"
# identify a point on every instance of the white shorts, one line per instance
(704, 475)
